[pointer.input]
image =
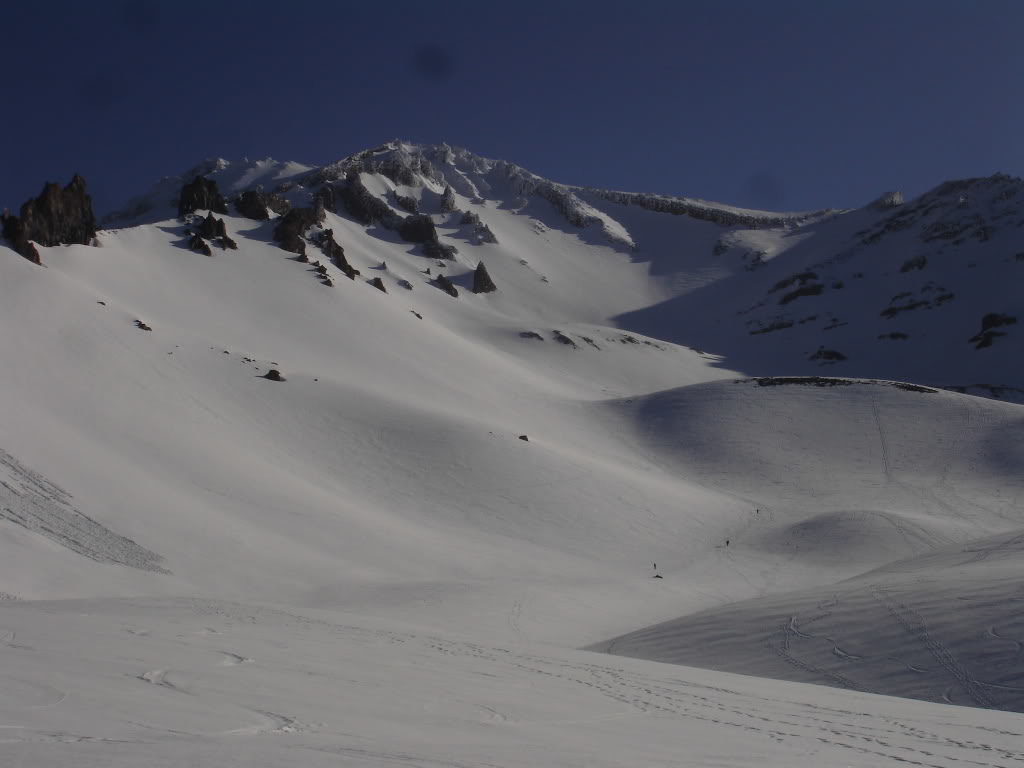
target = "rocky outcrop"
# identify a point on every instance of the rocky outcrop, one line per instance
(700, 210)
(200, 194)
(446, 285)
(214, 229)
(293, 225)
(482, 282)
(989, 323)
(278, 204)
(363, 206)
(57, 216)
(252, 205)
(481, 233)
(406, 203)
(211, 227)
(378, 284)
(420, 229)
(448, 202)
(13, 233)
(336, 253)
(199, 245)
(329, 197)
(435, 249)
(417, 229)
(274, 375)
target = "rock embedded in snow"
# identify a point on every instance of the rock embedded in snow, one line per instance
(482, 282)
(198, 244)
(253, 205)
(211, 227)
(293, 225)
(274, 375)
(378, 284)
(201, 194)
(446, 285)
(448, 203)
(418, 228)
(435, 249)
(406, 203)
(58, 216)
(989, 322)
(363, 206)
(336, 253)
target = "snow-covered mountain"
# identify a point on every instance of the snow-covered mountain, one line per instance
(286, 474)
(925, 290)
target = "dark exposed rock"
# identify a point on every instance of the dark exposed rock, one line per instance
(328, 196)
(405, 284)
(995, 320)
(278, 204)
(57, 216)
(827, 355)
(378, 284)
(807, 290)
(482, 282)
(775, 325)
(328, 282)
(802, 278)
(336, 253)
(891, 312)
(481, 233)
(212, 227)
(531, 335)
(252, 205)
(226, 242)
(196, 243)
(524, 438)
(989, 322)
(201, 194)
(917, 262)
(561, 338)
(448, 203)
(142, 326)
(289, 231)
(824, 381)
(418, 229)
(274, 375)
(434, 249)
(363, 206)
(406, 203)
(446, 285)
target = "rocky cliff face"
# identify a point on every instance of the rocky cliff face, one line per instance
(293, 225)
(201, 194)
(57, 216)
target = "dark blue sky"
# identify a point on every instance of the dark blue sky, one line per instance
(777, 104)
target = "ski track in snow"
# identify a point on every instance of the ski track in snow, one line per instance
(655, 692)
(31, 501)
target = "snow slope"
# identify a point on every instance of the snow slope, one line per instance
(373, 531)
